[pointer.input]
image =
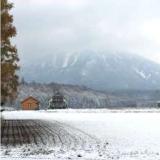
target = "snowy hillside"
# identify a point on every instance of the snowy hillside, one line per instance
(82, 97)
(100, 71)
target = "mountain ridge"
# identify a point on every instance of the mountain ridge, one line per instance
(100, 71)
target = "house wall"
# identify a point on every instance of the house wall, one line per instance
(30, 104)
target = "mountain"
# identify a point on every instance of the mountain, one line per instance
(97, 70)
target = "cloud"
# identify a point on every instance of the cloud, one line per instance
(75, 25)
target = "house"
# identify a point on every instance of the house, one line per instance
(30, 103)
(57, 101)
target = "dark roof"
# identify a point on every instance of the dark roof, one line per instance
(58, 95)
(30, 97)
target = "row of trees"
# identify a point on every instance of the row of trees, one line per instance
(9, 56)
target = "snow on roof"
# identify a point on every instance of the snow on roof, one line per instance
(30, 97)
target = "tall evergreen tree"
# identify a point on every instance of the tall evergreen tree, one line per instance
(9, 56)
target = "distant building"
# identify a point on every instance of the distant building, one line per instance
(58, 101)
(30, 103)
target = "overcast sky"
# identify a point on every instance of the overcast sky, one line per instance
(46, 26)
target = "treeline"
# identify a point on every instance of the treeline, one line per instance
(83, 97)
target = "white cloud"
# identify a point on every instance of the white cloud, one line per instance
(151, 30)
(48, 25)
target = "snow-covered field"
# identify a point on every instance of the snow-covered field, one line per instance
(120, 135)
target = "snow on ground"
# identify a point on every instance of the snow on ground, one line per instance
(131, 134)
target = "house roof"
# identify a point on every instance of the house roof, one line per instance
(30, 97)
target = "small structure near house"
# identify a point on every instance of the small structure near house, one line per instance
(30, 103)
(58, 101)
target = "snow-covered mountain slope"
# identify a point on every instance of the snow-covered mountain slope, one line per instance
(103, 71)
